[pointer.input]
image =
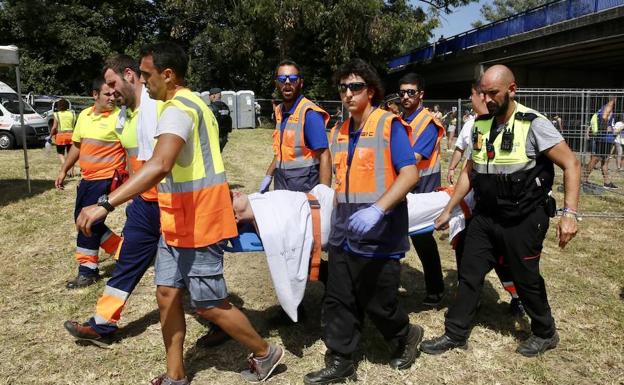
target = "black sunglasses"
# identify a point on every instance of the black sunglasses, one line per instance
(411, 92)
(283, 78)
(353, 87)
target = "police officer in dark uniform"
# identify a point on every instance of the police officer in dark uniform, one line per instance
(222, 112)
(511, 171)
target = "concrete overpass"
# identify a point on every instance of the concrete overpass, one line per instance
(564, 44)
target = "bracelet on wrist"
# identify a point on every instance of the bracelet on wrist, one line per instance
(570, 213)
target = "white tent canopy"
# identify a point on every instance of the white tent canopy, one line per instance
(9, 57)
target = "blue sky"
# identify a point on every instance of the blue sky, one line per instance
(459, 20)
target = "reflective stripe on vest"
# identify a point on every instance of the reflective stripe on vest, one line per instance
(371, 171)
(419, 124)
(505, 162)
(210, 177)
(194, 200)
(289, 144)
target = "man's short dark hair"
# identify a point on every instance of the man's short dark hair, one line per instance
(364, 70)
(413, 78)
(119, 63)
(97, 84)
(167, 55)
(288, 62)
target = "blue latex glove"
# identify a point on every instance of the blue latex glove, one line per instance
(266, 183)
(362, 221)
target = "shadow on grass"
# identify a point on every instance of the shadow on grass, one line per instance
(232, 356)
(13, 190)
(493, 313)
(138, 326)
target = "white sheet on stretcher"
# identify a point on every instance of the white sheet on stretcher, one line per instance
(424, 208)
(285, 228)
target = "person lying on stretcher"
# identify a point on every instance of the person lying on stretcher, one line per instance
(282, 224)
(285, 223)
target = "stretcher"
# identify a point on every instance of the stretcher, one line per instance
(248, 240)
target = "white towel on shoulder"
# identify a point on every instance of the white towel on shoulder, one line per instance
(146, 125)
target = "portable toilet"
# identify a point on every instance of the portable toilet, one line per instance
(246, 109)
(229, 98)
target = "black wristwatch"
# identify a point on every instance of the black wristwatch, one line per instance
(103, 201)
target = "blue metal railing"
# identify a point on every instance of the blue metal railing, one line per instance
(529, 20)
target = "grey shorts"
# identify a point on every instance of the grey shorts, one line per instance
(200, 270)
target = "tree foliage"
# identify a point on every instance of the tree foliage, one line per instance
(500, 9)
(231, 43)
(62, 44)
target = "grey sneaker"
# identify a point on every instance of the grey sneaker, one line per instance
(260, 369)
(163, 379)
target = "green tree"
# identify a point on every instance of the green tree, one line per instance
(238, 44)
(62, 44)
(500, 9)
(231, 43)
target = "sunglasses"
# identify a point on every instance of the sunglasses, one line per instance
(353, 87)
(284, 78)
(411, 92)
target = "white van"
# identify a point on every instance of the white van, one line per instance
(10, 126)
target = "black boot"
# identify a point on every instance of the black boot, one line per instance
(339, 369)
(441, 344)
(83, 280)
(534, 345)
(407, 351)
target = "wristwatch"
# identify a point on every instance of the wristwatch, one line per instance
(103, 201)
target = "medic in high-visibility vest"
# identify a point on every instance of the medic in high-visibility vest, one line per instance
(196, 216)
(101, 157)
(511, 171)
(374, 168)
(141, 232)
(62, 129)
(301, 155)
(427, 133)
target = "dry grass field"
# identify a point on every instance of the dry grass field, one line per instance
(585, 283)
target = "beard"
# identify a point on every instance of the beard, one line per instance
(498, 110)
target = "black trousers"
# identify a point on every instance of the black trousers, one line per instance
(521, 244)
(501, 268)
(358, 286)
(427, 250)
